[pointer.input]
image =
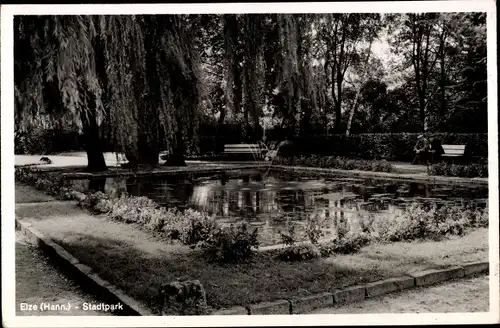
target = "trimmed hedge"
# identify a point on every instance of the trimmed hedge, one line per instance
(393, 147)
(47, 141)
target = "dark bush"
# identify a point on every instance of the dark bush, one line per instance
(46, 141)
(232, 244)
(455, 170)
(336, 163)
(394, 147)
(347, 244)
(299, 253)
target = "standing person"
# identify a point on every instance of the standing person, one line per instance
(422, 150)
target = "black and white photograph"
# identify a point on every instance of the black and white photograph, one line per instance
(288, 164)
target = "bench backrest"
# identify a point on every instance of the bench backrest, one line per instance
(242, 148)
(454, 149)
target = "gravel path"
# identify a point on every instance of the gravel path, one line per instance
(37, 281)
(464, 295)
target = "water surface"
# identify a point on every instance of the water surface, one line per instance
(274, 201)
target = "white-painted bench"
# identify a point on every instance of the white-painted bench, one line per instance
(239, 149)
(453, 151)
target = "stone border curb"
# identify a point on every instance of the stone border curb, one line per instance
(83, 273)
(383, 175)
(358, 293)
(298, 169)
(160, 172)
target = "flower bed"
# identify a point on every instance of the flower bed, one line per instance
(336, 163)
(416, 222)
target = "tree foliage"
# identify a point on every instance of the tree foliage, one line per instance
(146, 83)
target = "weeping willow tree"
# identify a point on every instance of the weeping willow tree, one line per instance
(137, 72)
(56, 77)
(295, 80)
(244, 66)
(155, 95)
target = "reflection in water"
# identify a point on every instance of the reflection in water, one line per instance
(97, 184)
(271, 203)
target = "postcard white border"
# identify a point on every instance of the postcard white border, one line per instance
(7, 120)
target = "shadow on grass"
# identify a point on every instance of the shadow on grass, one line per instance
(47, 210)
(262, 279)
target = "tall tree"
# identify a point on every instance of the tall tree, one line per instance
(142, 67)
(340, 35)
(55, 74)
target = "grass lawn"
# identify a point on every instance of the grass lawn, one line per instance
(139, 263)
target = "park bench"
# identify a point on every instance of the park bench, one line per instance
(452, 152)
(243, 149)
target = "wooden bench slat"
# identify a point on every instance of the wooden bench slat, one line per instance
(243, 149)
(453, 151)
(454, 148)
(457, 150)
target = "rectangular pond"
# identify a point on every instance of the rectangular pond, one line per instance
(273, 201)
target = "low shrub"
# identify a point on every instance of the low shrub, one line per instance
(421, 222)
(94, 201)
(289, 237)
(347, 244)
(302, 252)
(195, 227)
(189, 227)
(336, 162)
(314, 228)
(415, 223)
(455, 170)
(52, 185)
(232, 244)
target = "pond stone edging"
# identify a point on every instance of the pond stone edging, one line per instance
(383, 175)
(82, 273)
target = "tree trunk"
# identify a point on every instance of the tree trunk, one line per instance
(337, 99)
(358, 92)
(443, 82)
(219, 140)
(176, 157)
(95, 157)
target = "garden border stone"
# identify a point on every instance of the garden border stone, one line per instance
(431, 277)
(82, 273)
(311, 302)
(390, 285)
(236, 310)
(476, 267)
(274, 307)
(350, 294)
